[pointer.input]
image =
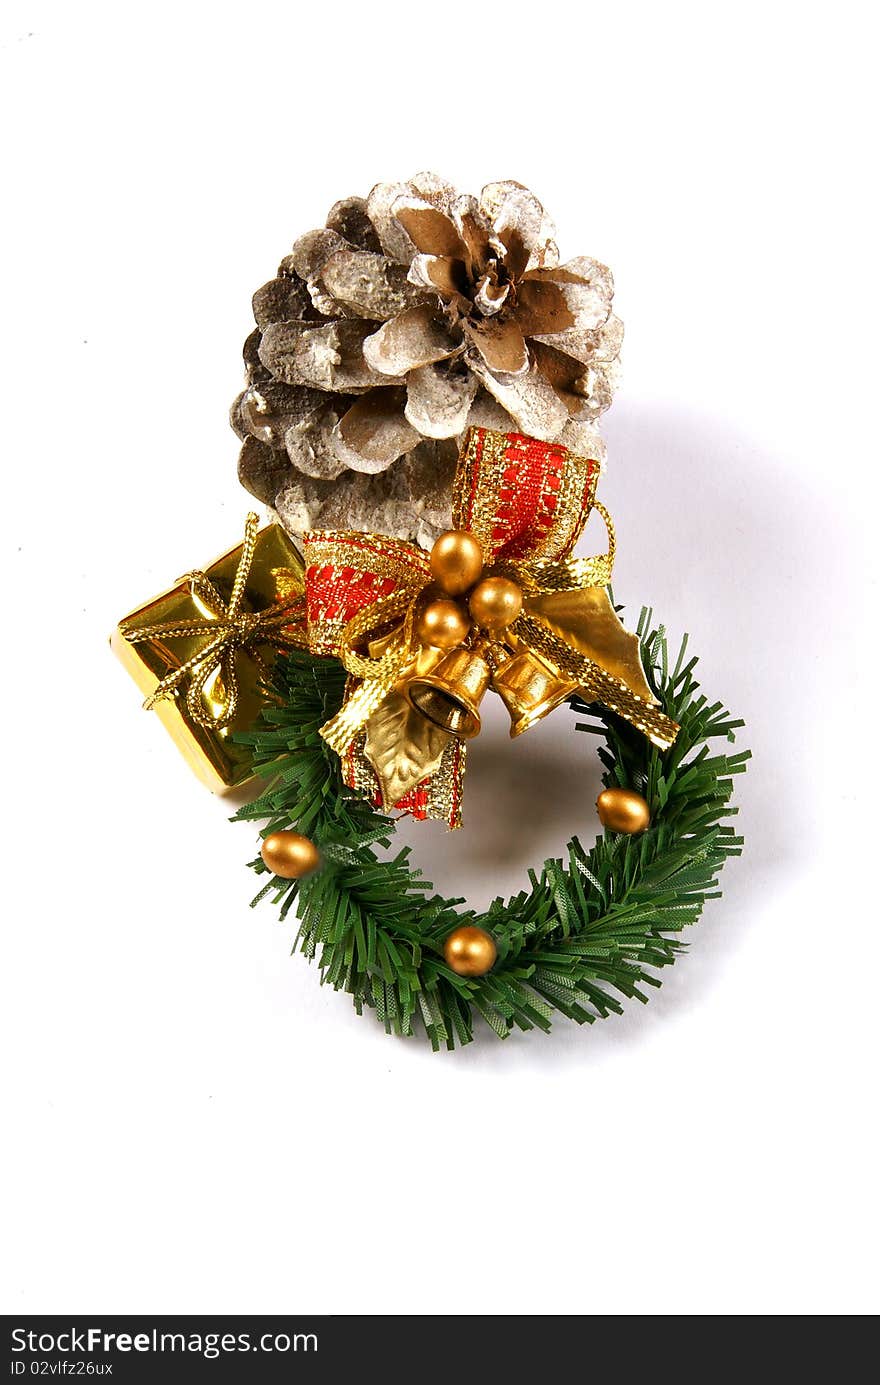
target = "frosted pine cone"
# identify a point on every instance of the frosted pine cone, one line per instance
(410, 316)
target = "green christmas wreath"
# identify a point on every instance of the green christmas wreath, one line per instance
(591, 929)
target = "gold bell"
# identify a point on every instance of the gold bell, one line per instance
(450, 695)
(530, 687)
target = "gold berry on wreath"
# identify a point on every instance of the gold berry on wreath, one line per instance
(442, 624)
(290, 855)
(623, 810)
(456, 561)
(495, 603)
(470, 951)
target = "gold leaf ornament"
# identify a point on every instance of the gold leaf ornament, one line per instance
(403, 747)
(587, 621)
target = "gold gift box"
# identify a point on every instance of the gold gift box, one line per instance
(211, 752)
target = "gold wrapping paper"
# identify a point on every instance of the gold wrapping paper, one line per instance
(210, 750)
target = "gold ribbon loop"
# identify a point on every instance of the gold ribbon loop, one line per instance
(365, 625)
(569, 574)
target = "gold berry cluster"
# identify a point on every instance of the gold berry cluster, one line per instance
(469, 599)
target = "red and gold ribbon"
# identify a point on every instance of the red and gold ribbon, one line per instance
(526, 502)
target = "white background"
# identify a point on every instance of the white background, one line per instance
(193, 1123)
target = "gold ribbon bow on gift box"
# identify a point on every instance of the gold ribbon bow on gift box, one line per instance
(200, 651)
(498, 603)
(230, 629)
